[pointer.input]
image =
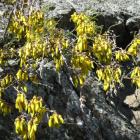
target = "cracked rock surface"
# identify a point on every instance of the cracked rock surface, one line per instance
(96, 119)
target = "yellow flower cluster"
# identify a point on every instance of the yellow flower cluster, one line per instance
(32, 50)
(84, 25)
(80, 60)
(37, 49)
(59, 45)
(5, 54)
(33, 26)
(135, 75)
(133, 49)
(32, 128)
(121, 56)
(1, 57)
(84, 65)
(21, 127)
(102, 49)
(34, 23)
(35, 106)
(109, 76)
(21, 102)
(4, 107)
(36, 18)
(81, 43)
(26, 129)
(7, 80)
(18, 20)
(22, 75)
(55, 120)
(50, 25)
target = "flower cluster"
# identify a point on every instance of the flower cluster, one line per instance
(18, 20)
(84, 28)
(133, 49)
(32, 127)
(59, 44)
(27, 128)
(84, 64)
(135, 75)
(55, 120)
(7, 80)
(21, 127)
(4, 107)
(34, 23)
(80, 61)
(22, 75)
(109, 76)
(21, 102)
(33, 50)
(102, 49)
(84, 25)
(35, 106)
(121, 56)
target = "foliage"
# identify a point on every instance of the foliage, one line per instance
(90, 52)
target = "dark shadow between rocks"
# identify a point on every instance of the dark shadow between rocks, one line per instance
(118, 100)
(124, 33)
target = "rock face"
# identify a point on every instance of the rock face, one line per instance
(107, 7)
(99, 120)
(87, 118)
(121, 16)
(90, 117)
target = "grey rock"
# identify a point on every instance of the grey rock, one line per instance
(98, 121)
(13, 62)
(133, 101)
(1, 70)
(95, 118)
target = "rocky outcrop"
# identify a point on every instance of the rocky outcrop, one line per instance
(121, 16)
(91, 117)
(88, 118)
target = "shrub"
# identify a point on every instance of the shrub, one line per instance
(90, 52)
